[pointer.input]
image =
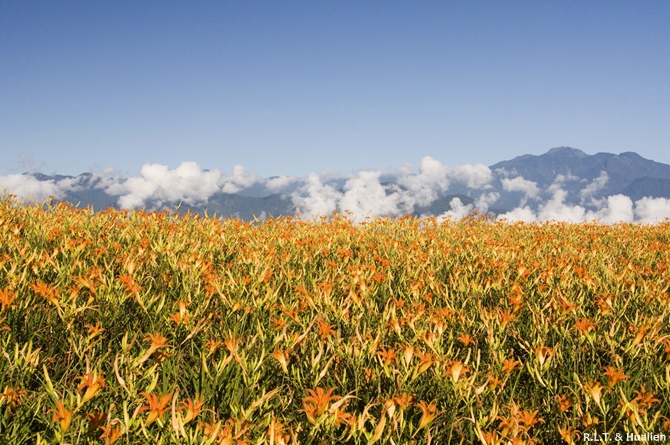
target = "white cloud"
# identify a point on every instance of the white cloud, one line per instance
(475, 176)
(588, 192)
(238, 180)
(617, 208)
(280, 182)
(652, 210)
(315, 198)
(457, 210)
(158, 184)
(29, 187)
(365, 196)
(519, 214)
(529, 189)
(423, 187)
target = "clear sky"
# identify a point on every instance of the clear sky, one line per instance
(290, 87)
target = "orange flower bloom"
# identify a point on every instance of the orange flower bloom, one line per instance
(428, 413)
(594, 390)
(92, 383)
(282, 358)
(529, 419)
(564, 403)
(6, 299)
(50, 293)
(466, 339)
(156, 406)
(61, 415)
(129, 284)
(584, 325)
(644, 399)
(317, 402)
(192, 407)
(110, 433)
(325, 329)
(457, 369)
(614, 376)
(388, 355)
(12, 397)
(510, 364)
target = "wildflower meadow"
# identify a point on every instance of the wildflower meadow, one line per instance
(137, 327)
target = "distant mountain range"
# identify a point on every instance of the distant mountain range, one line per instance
(527, 180)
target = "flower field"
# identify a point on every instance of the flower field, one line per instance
(144, 327)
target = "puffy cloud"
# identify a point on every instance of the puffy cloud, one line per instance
(475, 176)
(485, 201)
(519, 214)
(29, 187)
(316, 198)
(238, 180)
(618, 208)
(652, 210)
(459, 210)
(529, 189)
(587, 193)
(557, 210)
(280, 182)
(424, 187)
(365, 196)
(157, 184)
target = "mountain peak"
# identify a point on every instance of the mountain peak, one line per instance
(566, 151)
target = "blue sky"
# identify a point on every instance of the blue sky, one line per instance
(289, 88)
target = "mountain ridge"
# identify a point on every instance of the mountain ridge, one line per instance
(525, 180)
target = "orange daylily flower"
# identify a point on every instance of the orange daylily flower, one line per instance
(110, 433)
(388, 355)
(62, 415)
(325, 329)
(510, 364)
(156, 406)
(614, 376)
(94, 330)
(95, 420)
(50, 293)
(564, 403)
(157, 341)
(277, 433)
(181, 316)
(529, 419)
(12, 397)
(403, 401)
(567, 433)
(7, 297)
(543, 355)
(466, 339)
(644, 399)
(317, 402)
(584, 325)
(192, 408)
(428, 413)
(594, 390)
(93, 384)
(457, 369)
(282, 358)
(129, 284)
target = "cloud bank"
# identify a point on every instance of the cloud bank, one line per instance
(360, 195)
